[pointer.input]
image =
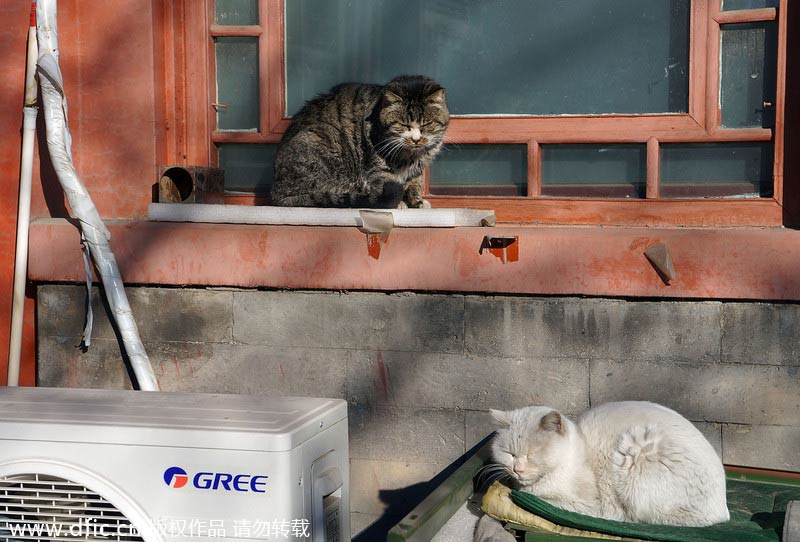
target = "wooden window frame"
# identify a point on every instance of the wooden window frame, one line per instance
(702, 123)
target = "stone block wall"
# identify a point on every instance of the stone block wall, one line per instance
(421, 370)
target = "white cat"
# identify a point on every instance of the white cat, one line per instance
(628, 461)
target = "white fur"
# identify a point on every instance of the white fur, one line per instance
(413, 133)
(628, 461)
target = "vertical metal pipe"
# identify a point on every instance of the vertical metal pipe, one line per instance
(29, 111)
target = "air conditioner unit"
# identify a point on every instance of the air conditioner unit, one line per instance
(131, 466)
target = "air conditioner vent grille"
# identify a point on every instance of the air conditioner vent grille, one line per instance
(37, 507)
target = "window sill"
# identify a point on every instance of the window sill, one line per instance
(743, 263)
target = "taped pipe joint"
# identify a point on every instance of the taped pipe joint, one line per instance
(376, 221)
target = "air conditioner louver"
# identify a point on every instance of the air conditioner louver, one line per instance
(47, 508)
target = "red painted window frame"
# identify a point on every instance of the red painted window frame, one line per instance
(702, 123)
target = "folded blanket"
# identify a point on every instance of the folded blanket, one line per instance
(757, 512)
(498, 504)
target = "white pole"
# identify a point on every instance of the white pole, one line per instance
(30, 111)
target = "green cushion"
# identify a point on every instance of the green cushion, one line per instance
(757, 509)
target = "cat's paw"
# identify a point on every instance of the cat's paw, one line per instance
(417, 204)
(402, 205)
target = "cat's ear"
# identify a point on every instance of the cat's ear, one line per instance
(436, 97)
(390, 98)
(552, 422)
(500, 417)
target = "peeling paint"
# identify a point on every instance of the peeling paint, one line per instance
(505, 249)
(507, 255)
(374, 243)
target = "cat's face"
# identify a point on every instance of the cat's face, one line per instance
(529, 443)
(414, 115)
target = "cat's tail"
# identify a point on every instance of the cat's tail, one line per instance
(321, 199)
(389, 197)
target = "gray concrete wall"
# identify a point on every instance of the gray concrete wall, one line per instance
(421, 370)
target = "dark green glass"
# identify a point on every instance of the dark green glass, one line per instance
(480, 170)
(248, 167)
(716, 169)
(516, 57)
(594, 170)
(236, 12)
(749, 72)
(237, 83)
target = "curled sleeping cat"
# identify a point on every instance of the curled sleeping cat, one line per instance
(628, 461)
(362, 145)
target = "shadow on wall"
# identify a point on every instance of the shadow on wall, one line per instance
(51, 188)
(399, 502)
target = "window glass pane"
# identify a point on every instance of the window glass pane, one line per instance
(749, 71)
(237, 83)
(236, 12)
(480, 170)
(615, 171)
(521, 57)
(730, 5)
(248, 167)
(716, 169)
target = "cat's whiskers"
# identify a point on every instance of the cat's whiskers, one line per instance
(391, 150)
(381, 148)
(492, 472)
(393, 147)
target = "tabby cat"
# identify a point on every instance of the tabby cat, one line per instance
(362, 145)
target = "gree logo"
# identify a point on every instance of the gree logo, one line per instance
(176, 477)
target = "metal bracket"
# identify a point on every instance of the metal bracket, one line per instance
(659, 257)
